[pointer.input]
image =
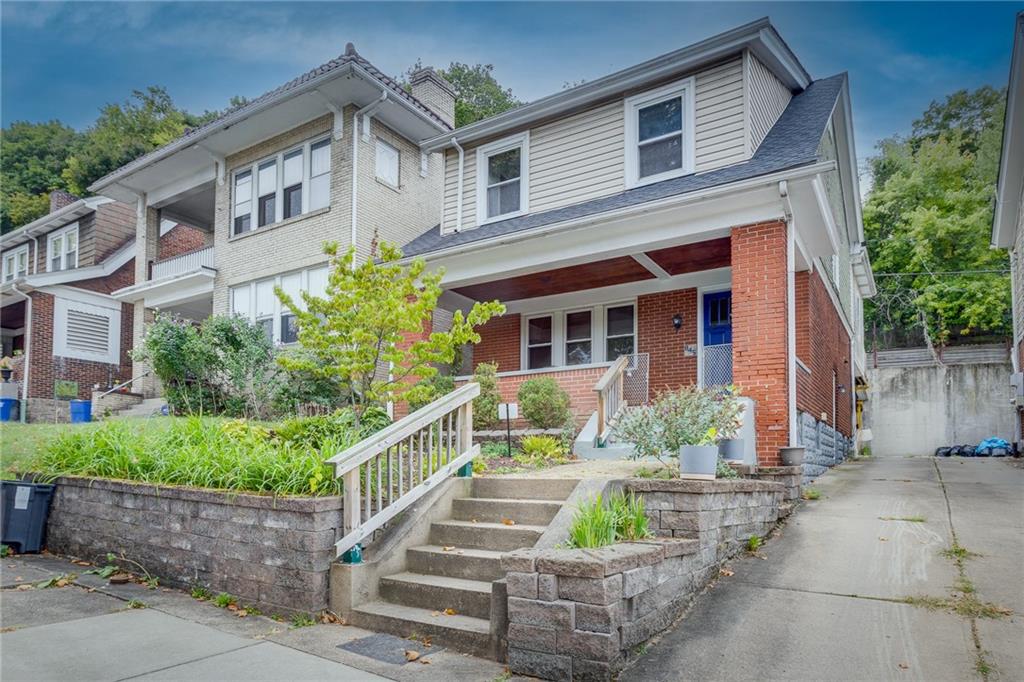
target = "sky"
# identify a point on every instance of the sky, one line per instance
(65, 60)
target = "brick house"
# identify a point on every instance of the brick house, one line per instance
(66, 331)
(697, 214)
(1008, 217)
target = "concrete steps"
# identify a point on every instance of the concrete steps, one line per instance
(456, 570)
(150, 407)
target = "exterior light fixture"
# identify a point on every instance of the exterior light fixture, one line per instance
(677, 322)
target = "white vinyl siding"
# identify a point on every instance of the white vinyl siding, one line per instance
(86, 331)
(720, 136)
(451, 184)
(767, 98)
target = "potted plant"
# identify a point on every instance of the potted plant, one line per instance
(792, 456)
(685, 423)
(730, 445)
(6, 368)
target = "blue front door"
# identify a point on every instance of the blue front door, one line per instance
(717, 348)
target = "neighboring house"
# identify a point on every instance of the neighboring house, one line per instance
(699, 212)
(273, 180)
(1008, 218)
(58, 316)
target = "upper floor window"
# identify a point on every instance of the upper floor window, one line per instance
(62, 249)
(387, 163)
(281, 187)
(659, 134)
(16, 263)
(503, 178)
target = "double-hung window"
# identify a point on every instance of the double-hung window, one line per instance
(387, 163)
(62, 249)
(257, 302)
(539, 337)
(620, 331)
(16, 263)
(266, 302)
(281, 187)
(579, 338)
(291, 285)
(660, 134)
(503, 186)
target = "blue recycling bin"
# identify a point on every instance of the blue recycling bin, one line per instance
(8, 409)
(25, 507)
(81, 411)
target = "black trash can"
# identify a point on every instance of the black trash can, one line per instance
(26, 506)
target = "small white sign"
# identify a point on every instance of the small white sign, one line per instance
(508, 410)
(21, 497)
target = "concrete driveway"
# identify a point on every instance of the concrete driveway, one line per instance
(824, 601)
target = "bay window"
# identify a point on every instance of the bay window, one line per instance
(16, 263)
(503, 178)
(281, 187)
(62, 249)
(660, 133)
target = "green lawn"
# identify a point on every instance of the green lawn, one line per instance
(20, 443)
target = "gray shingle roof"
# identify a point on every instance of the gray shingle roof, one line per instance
(792, 142)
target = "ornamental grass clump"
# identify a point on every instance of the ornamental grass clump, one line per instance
(199, 452)
(597, 524)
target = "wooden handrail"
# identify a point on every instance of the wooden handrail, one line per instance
(611, 373)
(403, 462)
(609, 394)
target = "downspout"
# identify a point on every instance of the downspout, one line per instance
(28, 350)
(368, 109)
(790, 312)
(458, 186)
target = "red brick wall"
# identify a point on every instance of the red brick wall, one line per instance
(829, 352)
(803, 328)
(499, 342)
(578, 383)
(123, 277)
(182, 239)
(759, 330)
(670, 368)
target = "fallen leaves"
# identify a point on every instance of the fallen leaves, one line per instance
(726, 572)
(22, 588)
(331, 618)
(449, 612)
(411, 655)
(447, 548)
(903, 666)
(508, 522)
(883, 539)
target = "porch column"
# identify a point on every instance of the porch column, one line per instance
(147, 236)
(760, 362)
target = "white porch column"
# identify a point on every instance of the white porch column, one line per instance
(147, 237)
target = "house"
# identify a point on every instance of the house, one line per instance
(333, 155)
(1008, 217)
(698, 213)
(59, 320)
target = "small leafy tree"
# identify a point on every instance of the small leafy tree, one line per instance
(485, 406)
(363, 331)
(544, 403)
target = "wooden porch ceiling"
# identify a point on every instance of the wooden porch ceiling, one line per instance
(675, 260)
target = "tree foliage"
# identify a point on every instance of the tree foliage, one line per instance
(929, 214)
(478, 94)
(363, 332)
(32, 157)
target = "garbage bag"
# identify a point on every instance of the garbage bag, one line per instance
(943, 452)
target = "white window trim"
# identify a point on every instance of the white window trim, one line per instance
(522, 140)
(279, 309)
(278, 158)
(566, 340)
(604, 322)
(684, 88)
(62, 232)
(398, 164)
(12, 273)
(101, 307)
(598, 337)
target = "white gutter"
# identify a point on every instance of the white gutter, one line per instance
(639, 209)
(28, 350)
(365, 111)
(790, 312)
(458, 188)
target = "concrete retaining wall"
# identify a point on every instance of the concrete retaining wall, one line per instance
(578, 614)
(825, 447)
(914, 410)
(272, 552)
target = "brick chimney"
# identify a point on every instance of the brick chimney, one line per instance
(59, 199)
(434, 91)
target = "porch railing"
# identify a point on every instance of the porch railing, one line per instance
(186, 262)
(390, 470)
(610, 400)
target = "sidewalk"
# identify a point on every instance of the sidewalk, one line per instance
(824, 599)
(88, 631)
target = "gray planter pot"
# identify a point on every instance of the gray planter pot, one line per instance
(731, 449)
(792, 457)
(698, 461)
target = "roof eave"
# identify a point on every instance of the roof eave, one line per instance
(62, 216)
(759, 35)
(1006, 216)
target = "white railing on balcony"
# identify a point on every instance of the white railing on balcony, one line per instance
(390, 470)
(186, 262)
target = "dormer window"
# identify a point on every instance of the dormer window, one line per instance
(16, 263)
(503, 179)
(62, 249)
(659, 134)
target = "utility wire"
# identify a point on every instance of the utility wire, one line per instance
(942, 272)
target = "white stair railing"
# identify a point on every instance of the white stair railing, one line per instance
(390, 470)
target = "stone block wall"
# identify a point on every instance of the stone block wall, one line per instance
(578, 614)
(271, 552)
(112, 401)
(789, 477)
(825, 446)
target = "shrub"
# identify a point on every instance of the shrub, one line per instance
(544, 403)
(540, 450)
(496, 448)
(439, 385)
(485, 405)
(299, 387)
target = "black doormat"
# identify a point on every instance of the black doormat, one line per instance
(387, 648)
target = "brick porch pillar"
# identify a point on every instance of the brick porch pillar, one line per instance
(401, 408)
(759, 351)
